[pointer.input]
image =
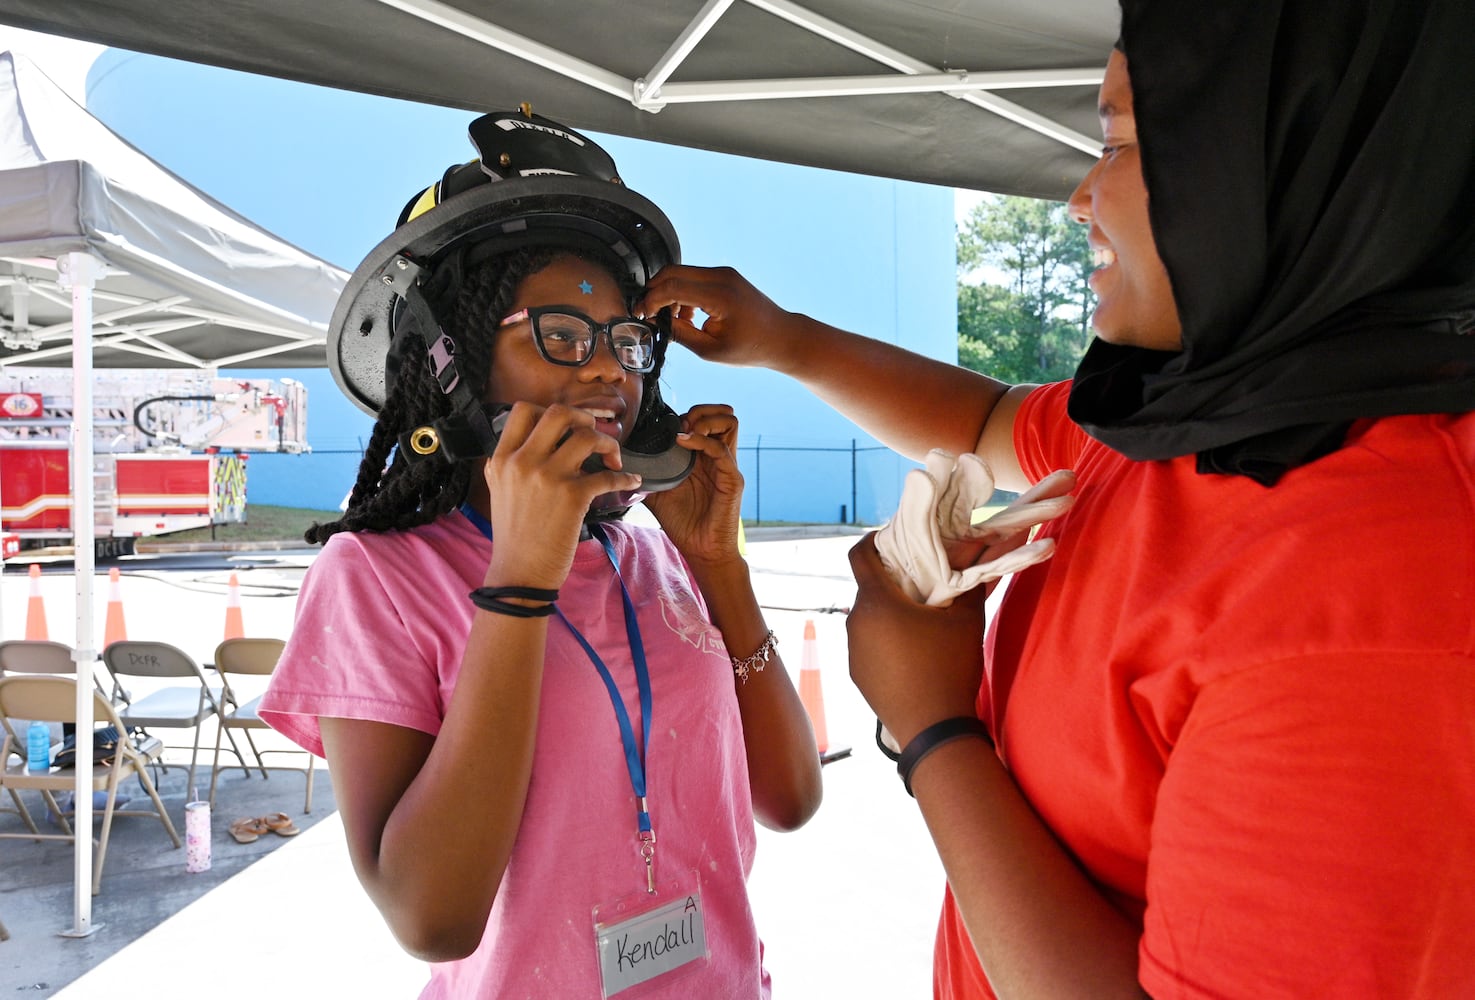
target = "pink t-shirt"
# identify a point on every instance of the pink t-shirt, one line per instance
(381, 622)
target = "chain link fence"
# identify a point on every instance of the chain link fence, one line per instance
(847, 483)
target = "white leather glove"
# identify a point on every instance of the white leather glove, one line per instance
(930, 545)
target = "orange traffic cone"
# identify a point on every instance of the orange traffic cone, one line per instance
(115, 630)
(234, 627)
(809, 687)
(36, 608)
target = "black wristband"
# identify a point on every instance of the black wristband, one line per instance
(933, 737)
(490, 599)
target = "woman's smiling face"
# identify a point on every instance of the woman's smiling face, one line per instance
(1135, 305)
(601, 387)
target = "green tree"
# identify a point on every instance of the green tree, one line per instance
(1023, 305)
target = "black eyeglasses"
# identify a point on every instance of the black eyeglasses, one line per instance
(567, 337)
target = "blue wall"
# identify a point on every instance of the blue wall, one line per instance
(329, 171)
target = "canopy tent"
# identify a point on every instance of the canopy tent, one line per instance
(186, 282)
(997, 95)
(102, 250)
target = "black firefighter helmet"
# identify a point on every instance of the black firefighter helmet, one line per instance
(534, 182)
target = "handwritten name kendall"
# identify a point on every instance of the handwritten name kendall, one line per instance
(665, 939)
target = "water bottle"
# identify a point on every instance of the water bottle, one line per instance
(38, 747)
(197, 834)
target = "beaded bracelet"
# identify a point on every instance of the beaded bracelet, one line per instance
(490, 599)
(757, 661)
(933, 737)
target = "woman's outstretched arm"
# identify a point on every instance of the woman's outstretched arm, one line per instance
(909, 402)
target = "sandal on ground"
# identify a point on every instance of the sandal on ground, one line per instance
(248, 829)
(280, 823)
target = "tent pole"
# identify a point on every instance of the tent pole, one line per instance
(80, 271)
(2, 555)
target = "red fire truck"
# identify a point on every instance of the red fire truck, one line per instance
(170, 451)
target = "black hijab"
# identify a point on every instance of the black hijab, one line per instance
(1311, 177)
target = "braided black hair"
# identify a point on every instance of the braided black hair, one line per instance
(392, 492)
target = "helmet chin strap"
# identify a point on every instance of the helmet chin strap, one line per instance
(612, 506)
(467, 431)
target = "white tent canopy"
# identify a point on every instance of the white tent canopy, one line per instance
(186, 281)
(105, 254)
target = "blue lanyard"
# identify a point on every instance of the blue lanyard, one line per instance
(634, 755)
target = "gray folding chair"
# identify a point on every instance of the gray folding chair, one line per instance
(54, 700)
(43, 656)
(38, 656)
(253, 657)
(179, 706)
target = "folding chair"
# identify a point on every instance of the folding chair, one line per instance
(54, 699)
(256, 657)
(42, 656)
(35, 656)
(180, 706)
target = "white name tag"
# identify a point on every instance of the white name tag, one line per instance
(650, 944)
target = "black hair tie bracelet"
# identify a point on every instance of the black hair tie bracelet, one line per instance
(933, 737)
(490, 599)
(881, 744)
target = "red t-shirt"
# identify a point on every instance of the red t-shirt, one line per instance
(1249, 713)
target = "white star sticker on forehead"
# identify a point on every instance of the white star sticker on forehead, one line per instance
(586, 288)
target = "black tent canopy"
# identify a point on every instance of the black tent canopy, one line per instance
(996, 95)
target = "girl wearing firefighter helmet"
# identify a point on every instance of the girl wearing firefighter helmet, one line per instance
(549, 731)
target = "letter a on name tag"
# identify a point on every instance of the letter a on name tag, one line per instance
(653, 942)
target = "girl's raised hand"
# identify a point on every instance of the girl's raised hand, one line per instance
(539, 491)
(702, 514)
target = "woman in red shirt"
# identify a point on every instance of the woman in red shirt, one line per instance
(1221, 744)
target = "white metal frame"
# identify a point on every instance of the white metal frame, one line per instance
(128, 323)
(654, 91)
